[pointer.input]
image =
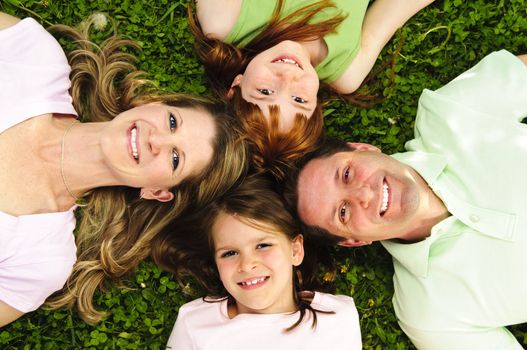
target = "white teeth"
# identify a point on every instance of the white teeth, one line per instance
(133, 132)
(385, 197)
(288, 60)
(254, 281)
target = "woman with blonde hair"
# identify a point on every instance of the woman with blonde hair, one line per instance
(133, 164)
(276, 53)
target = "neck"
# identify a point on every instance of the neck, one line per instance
(83, 165)
(436, 212)
(72, 157)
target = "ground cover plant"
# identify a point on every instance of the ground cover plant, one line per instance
(439, 43)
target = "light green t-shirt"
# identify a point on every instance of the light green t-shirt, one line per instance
(458, 288)
(343, 45)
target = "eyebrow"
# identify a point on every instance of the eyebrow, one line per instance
(335, 207)
(302, 106)
(260, 97)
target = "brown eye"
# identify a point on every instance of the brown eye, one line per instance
(298, 99)
(266, 92)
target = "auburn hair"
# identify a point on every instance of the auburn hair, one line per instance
(272, 149)
(275, 151)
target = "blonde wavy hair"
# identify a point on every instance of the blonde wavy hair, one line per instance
(117, 227)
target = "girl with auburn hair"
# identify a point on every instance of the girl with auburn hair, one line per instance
(273, 53)
(133, 164)
(259, 275)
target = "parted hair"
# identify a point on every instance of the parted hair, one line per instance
(327, 148)
(224, 61)
(256, 203)
(272, 150)
(117, 228)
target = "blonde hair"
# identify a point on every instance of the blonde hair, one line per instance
(117, 227)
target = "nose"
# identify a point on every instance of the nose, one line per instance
(362, 194)
(288, 74)
(158, 140)
(247, 262)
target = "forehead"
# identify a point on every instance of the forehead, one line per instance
(317, 187)
(229, 229)
(198, 130)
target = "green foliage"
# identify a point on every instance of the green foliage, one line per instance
(440, 42)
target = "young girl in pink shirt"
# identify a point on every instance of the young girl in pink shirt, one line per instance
(260, 277)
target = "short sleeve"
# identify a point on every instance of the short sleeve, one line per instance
(497, 85)
(181, 338)
(37, 253)
(26, 287)
(484, 339)
(34, 74)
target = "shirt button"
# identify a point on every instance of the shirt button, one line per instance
(474, 218)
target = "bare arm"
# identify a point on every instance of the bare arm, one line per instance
(523, 58)
(7, 20)
(382, 19)
(217, 17)
(8, 314)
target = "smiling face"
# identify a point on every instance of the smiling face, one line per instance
(255, 266)
(283, 76)
(365, 195)
(156, 147)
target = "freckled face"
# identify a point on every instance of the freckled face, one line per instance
(283, 76)
(157, 145)
(364, 195)
(255, 266)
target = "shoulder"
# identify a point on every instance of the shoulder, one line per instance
(27, 42)
(199, 308)
(218, 17)
(329, 301)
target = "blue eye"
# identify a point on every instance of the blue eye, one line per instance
(175, 159)
(298, 99)
(263, 245)
(266, 92)
(228, 254)
(172, 121)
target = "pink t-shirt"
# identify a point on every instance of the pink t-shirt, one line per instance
(206, 326)
(37, 252)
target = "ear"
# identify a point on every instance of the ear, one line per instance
(297, 247)
(350, 242)
(237, 80)
(359, 146)
(157, 194)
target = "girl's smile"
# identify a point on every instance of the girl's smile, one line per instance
(255, 266)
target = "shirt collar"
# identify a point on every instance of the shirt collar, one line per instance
(414, 256)
(428, 165)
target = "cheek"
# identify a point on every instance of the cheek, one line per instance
(224, 269)
(280, 260)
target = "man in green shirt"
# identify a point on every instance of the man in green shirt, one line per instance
(449, 210)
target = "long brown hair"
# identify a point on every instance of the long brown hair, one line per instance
(117, 227)
(190, 252)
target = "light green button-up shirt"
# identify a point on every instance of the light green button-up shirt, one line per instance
(458, 288)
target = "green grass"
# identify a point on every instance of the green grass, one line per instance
(439, 43)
